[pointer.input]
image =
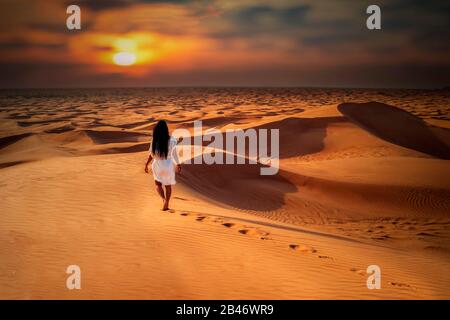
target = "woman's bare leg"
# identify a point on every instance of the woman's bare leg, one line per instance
(167, 199)
(160, 189)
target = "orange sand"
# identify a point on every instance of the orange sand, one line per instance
(359, 184)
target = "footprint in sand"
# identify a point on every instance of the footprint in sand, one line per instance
(358, 271)
(228, 224)
(262, 235)
(325, 257)
(302, 248)
(400, 285)
(307, 249)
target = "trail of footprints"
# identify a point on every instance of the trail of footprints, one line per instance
(263, 235)
(391, 283)
(250, 231)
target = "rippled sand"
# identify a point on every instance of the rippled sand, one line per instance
(360, 183)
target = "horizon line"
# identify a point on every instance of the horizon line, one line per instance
(444, 87)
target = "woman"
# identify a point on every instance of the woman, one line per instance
(165, 158)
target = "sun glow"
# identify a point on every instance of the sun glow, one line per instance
(124, 58)
(137, 54)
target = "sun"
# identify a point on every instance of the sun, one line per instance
(124, 58)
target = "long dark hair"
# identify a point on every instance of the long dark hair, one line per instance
(160, 143)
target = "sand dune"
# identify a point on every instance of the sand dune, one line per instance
(323, 137)
(103, 137)
(6, 141)
(397, 126)
(61, 129)
(128, 240)
(297, 196)
(374, 200)
(218, 122)
(359, 183)
(238, 185)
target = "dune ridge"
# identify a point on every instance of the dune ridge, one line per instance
(397, 126)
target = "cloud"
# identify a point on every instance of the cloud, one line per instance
(254, 42)
(100, 5)
(23, 44)
(418, 6)
(258, 15)
(259, 19)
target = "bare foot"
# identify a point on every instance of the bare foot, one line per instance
(166, 206)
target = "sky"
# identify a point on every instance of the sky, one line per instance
(307, 43)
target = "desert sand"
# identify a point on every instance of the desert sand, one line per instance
(361, 183)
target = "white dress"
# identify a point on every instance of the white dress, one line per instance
(164, 169)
